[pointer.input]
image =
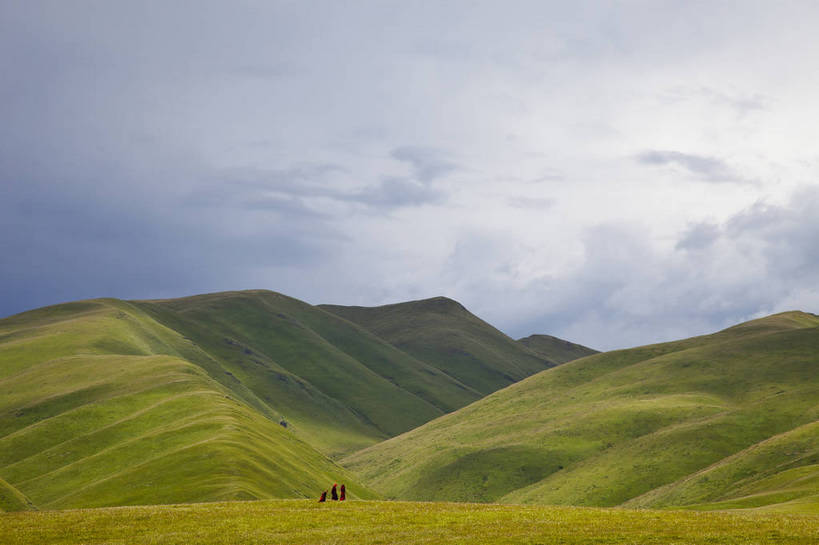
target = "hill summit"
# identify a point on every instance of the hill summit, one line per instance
(442, 333)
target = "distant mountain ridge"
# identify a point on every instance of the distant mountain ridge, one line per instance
(233, 395)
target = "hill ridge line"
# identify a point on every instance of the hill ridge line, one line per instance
(424, 364)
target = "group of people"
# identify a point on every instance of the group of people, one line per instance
(334, 494)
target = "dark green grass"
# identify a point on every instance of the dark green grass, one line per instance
(12, 499)
(554, 349)
(611, 428)
(307, 522)
(442, 333)
(327, 376)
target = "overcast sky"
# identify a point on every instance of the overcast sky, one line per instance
(614, 173)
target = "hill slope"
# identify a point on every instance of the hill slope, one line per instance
(12, 499)
(108, 402)
(340, 386)
(708, 419)
(442, 333)
(554, 349)
(782, 470)
(99, 407)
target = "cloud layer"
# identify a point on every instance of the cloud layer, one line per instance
(581, 169)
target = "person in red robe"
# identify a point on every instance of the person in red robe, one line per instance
(323, 497)
(334, 493)
(343, 493)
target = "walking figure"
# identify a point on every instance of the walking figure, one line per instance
(343, 493)
(334, 493)
(323, 497)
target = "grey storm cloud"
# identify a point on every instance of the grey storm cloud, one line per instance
(762, 260)
(698, 236)
(363, 152)
(293, 207)
(289, 190)
(283, 190)
(784, 236)
(536, 203)
(742, 103)
(84, 245)
(709, 169)
(427, 163)
(396, 192)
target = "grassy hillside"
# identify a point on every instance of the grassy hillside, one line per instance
(109, 402)
(12, 499)
(339, 386)
(718, 418)
(554, 349)
(442, 333)
(102, 405)
(782, 470)
(307, 522)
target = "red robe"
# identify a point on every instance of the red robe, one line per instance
(323, 497)
(343, 493)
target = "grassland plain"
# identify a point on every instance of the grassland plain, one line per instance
(719, 421)
(377, 522)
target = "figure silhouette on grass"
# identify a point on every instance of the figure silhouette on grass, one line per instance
(334, 494)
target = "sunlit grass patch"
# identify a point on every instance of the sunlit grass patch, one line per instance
(372, 522)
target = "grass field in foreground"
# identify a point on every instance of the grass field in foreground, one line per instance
(366, 522)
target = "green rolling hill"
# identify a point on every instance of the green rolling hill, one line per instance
(100, 406)
(554, 349)
(723, 420)
(250, 395)
(337, 385)
(235, 395)
(442, 333)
